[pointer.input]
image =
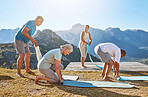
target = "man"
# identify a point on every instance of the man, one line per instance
(22, 37)
(110, 54)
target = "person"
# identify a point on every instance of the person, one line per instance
(85, 38)
(22, 37)
(110, 54)
(50, 64)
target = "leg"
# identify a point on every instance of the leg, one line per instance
(61, 67)
(109, 69)
(117, 69)
(19, 63)
(27, 61)
(41, 78)
(82, 62)
(104, 69)
(83, 54)
(19, 45)
(50, 76)
(114, 68)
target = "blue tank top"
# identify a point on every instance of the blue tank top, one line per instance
(32, 28)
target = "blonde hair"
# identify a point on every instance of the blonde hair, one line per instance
(39, 18)
(67, 46)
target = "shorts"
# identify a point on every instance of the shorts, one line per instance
(105, 57)
(21, 47)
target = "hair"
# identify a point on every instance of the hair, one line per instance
(123, 51)
(39, 18)
(67, 46)
(87, 26)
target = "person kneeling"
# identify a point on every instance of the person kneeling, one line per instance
(50, 64)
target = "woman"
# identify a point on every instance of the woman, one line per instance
(51, 63)
(85, 38)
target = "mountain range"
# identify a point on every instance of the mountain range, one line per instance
(47, 40)
(7, 35)
(134, 42)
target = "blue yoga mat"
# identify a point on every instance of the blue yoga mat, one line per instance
(134, 78)
(104, 84)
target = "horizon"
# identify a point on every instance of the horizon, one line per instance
(63, 14)
(75, 24)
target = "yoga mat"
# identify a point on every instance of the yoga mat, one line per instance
(38, 53)
(103, 84)
(70, 77)
(132, 78)
(88, 51)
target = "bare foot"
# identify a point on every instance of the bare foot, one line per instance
(106, 79)
(84, 66)
(102, 75)
(30, 72)
(36, 80)
(20, 75)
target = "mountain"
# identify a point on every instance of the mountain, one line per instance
(135, 42)
(7, 35)
(47, 40)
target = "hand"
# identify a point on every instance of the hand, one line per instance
(62, 78)
(90, 43)
(34, 42)
(62, 81)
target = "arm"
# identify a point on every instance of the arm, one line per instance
(24, 32)
(90, 39)
(58, 71)
(82, 38)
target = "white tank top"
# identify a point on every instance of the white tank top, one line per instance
(85, 37)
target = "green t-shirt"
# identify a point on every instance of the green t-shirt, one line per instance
(49, 58)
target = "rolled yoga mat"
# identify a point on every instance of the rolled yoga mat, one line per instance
(103, 84)
(132, 78)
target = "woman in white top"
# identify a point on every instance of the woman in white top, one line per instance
(85, 38)
(50, 64)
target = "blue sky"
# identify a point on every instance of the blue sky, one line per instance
(63, 14)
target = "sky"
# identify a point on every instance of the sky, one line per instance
(63, 14)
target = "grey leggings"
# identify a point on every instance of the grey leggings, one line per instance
(50, 73)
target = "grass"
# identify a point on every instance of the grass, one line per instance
(12, 85)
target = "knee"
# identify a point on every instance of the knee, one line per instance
(28, 54)
(57, 81)
(21, 56)
(61, 67)
(111, 62)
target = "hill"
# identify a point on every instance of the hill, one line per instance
(7, 35)
(47, 40)
(133, 41)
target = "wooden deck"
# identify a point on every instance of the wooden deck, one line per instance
(124, 66)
